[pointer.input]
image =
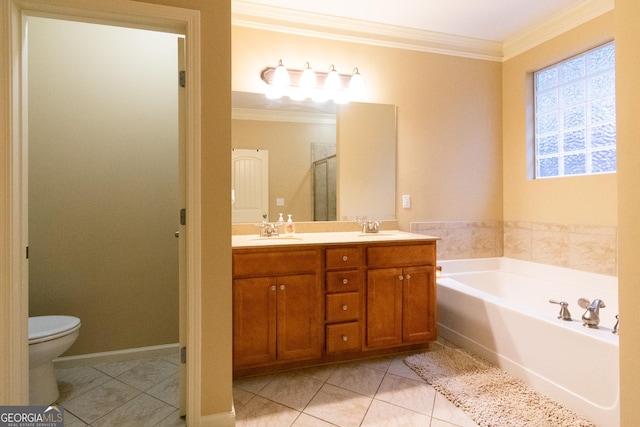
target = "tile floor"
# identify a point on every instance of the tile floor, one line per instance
(375, 392)
(135, 393)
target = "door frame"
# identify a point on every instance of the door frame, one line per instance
(14, 357)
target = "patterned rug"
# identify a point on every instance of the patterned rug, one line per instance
(489, 395)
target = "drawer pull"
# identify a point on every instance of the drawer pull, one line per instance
(345, 281)
(344, 307)
(344, 258)
(344, 338)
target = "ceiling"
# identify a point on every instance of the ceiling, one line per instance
(483, 27)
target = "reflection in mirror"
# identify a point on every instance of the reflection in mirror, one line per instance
(304, 160)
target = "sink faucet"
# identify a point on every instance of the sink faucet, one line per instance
(591, 317)
(368, 226)
(268, 229)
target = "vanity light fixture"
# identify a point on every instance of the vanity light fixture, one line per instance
(307, 83)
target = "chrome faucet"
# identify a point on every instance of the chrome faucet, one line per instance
(368, 226)
(591, 317)
(268, 229)
(564, 310)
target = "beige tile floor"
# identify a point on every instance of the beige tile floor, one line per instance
(375, 392)
(135, 393)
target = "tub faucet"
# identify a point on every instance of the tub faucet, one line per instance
(564, 310)
(591, 317)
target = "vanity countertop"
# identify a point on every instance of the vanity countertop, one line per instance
(342, 237)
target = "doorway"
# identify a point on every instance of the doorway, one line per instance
(104, 197)
(127, 14)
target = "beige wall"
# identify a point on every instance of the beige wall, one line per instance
(582, 200)
(290, 170)
(627, 17)
(103, 182)
(449, 116)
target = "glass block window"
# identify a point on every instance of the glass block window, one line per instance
(575, 115)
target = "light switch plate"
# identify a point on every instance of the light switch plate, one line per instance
(406, 201)
(280, 201)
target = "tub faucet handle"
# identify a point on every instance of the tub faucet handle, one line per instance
(564, 310)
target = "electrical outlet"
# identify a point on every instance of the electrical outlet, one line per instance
(406, 201)
(280, 201)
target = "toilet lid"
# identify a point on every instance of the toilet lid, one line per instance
(47, 326)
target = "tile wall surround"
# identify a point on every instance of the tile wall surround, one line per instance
(464, 239)
(580, 247)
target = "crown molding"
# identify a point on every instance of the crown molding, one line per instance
(245, 14)
(559, 23)
(251, 15)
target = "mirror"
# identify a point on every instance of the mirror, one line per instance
(325, 161)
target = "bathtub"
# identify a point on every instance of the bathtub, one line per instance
(499, 309)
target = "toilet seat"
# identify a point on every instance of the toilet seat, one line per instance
(47, 328)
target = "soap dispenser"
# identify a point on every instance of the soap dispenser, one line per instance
(289, 227)
(280, 220)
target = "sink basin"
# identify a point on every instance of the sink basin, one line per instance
(281, 237)
(380, 234)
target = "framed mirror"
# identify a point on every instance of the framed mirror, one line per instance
(325, 161)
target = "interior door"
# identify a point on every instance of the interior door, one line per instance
(181, 233)
(250, 185)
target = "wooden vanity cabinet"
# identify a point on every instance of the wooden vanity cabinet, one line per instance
(400, 295)
(277, 300)
(303, 305)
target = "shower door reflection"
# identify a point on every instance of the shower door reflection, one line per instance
(324, 189)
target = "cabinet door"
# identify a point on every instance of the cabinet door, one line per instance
(418, 304)
(384, 307)
(299, 321)
(254, 321)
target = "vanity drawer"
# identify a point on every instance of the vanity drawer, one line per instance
(343, 337)
(343, 281)
(275, 263)
(343, 258)
(343, 307)
(401, 255)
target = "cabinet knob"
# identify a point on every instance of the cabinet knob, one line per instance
(344, 307)
(344, 258)
(400, 277)
(408, 277)
(344, 338)
(282, 287)
(273, 287)
(345, 281)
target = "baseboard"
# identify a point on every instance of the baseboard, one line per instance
(116, 356)
(222, 419)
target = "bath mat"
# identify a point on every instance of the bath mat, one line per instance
(489, 395)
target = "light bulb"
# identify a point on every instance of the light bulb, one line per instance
(356, 84)
(308, 80)
(332, 84)
(281, 76)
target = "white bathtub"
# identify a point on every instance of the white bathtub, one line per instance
(499, 308)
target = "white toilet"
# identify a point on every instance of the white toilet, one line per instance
(49, 337)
